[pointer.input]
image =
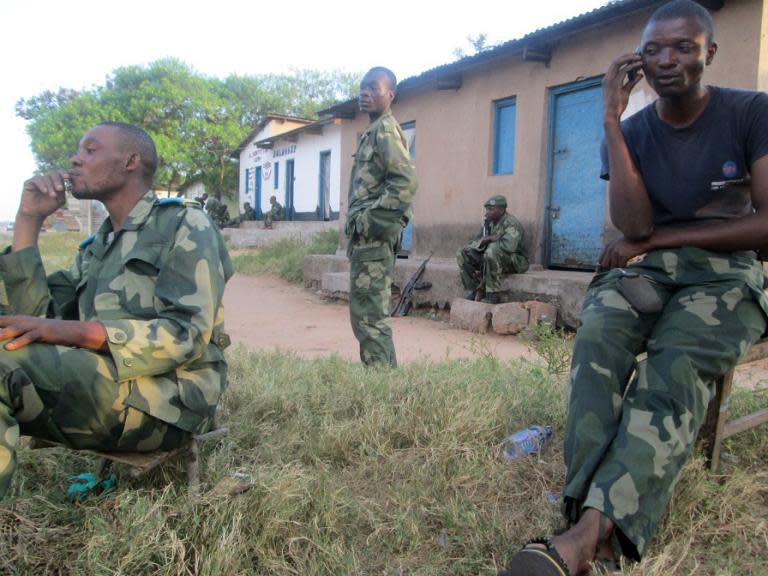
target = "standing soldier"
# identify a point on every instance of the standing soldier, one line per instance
(381, 191)
(498, 249)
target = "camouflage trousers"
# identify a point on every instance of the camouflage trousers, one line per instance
(70, 395)
(496, 262)
(270, 217)
(370, 291)
(632, 425)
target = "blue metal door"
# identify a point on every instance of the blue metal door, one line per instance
(289, 209)
(576, 194)
(409, 130)
(257, 192)
(324, 186)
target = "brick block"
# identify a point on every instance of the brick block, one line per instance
(470, 315)
(510, 318)
(540, 312)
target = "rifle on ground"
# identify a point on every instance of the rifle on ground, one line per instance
(405, 302)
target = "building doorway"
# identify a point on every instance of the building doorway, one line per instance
(257, 192)
(409, 131)
(575, 213)
(289, 209)
(324, 186)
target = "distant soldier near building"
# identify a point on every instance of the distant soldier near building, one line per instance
(276, 212)
(219, 213)
(382, 187)
(124, 350)
(248, 212)
(498, 249)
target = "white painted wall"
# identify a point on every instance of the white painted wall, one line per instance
(305, 152)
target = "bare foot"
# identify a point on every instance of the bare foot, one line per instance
(585, 541)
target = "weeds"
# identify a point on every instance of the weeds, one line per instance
(286, 257)
(554, 346)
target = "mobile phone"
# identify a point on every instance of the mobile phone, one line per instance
(632, 74)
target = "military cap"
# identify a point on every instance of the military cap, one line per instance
(497, 200)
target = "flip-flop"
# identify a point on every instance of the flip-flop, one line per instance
(536, 561)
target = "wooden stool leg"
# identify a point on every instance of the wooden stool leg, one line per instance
(717, 416)
(105, 464)
(193, 469)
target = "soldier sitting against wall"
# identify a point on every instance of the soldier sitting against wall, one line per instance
(123, 351)
(277, 212)
(219, 213)
(498, 249)
(248, 212)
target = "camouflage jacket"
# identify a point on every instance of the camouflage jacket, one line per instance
(511, 231)
(277, 211)
(156, 286)
(382, 184)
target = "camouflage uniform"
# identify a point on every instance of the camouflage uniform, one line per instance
(624, 453)
(277, 212)
(382, 186)
(248, 213)
(507, 256)
(156, 286)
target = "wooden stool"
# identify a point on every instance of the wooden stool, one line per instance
(717, 427)
(140, 463)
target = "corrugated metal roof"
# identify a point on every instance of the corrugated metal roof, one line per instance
(260, 125)
(296, 131)
(538, 38)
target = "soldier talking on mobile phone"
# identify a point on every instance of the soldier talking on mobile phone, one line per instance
(683, 284)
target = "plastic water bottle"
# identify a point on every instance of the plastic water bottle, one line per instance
(528, 441)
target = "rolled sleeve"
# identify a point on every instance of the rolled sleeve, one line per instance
(25, 290)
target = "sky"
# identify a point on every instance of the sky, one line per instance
(47, 44)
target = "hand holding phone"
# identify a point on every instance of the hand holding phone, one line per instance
(633, 73)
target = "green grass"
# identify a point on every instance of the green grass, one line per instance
(58, 249)
(366, 472)
(285, 258)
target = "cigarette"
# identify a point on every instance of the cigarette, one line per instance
(67, 186)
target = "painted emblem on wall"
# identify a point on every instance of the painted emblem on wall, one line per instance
(266, 170)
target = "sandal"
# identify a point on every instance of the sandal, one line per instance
(536, 561)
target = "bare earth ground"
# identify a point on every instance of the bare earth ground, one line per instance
(266, 313)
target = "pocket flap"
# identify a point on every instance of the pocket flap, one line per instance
(369, 252)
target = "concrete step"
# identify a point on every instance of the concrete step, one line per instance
(252, 234)
(564, 289)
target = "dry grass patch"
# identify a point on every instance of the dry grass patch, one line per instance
(361, 471)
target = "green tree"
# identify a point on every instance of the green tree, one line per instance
(478, 43)
(197, 121)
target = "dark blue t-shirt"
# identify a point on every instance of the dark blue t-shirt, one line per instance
(684, 169)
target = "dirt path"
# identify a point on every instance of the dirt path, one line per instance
(267, 313)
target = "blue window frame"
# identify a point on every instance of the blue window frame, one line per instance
(504, 136)
(409, 130)
(277, 175)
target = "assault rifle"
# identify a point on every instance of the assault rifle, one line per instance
(405, 302)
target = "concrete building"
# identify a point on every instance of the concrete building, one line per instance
(524, 119)
(296, 160)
